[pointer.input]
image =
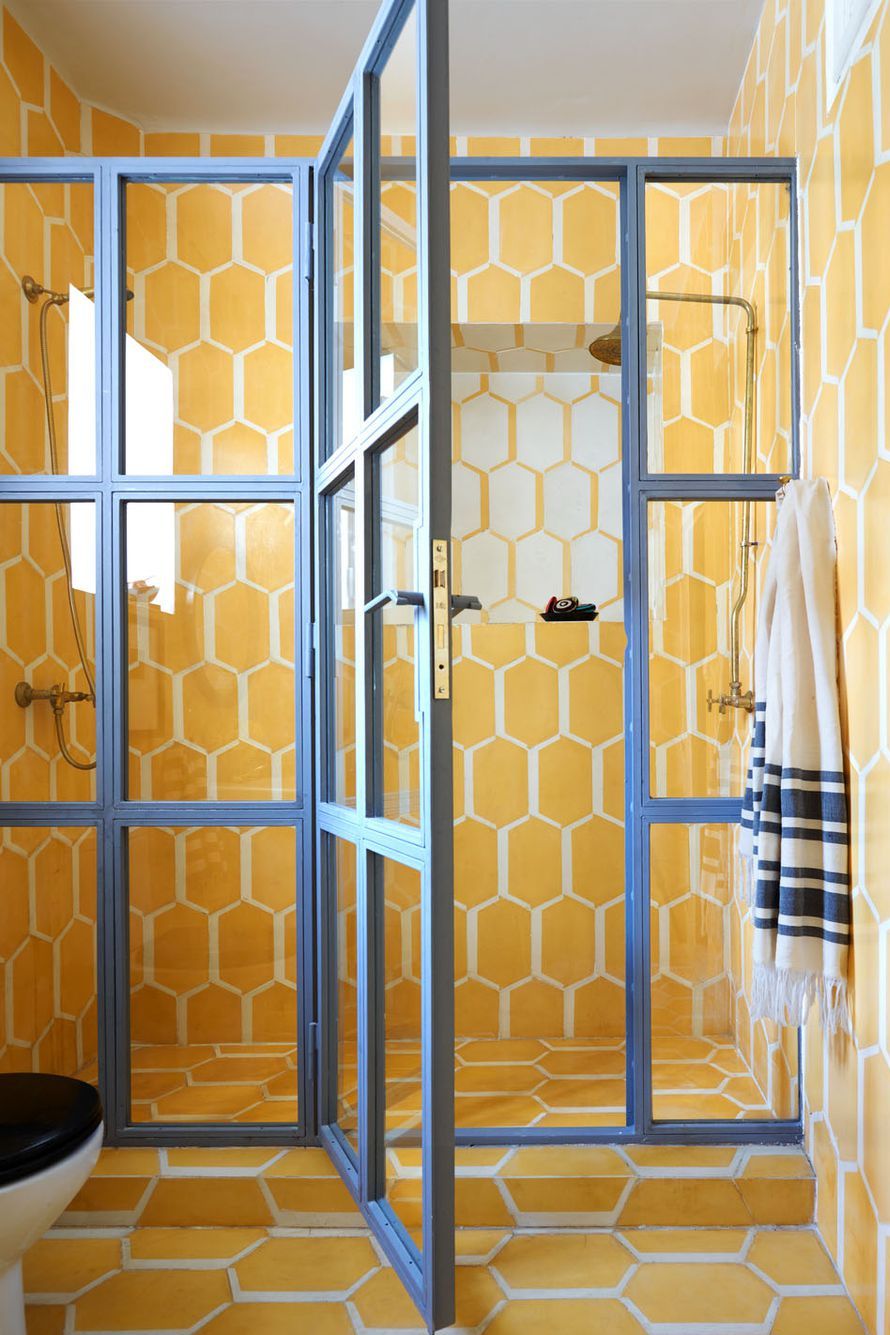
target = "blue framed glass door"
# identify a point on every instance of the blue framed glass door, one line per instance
(383, 704)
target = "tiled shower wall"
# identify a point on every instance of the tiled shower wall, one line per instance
(842, 140)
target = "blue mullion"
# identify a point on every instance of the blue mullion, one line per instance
(50, 813)
(692, 810)
(208, 813)
(308, 1067)
(710, 486)
(604, 169)
(639, 1068)
(47, 487)
(108, 958)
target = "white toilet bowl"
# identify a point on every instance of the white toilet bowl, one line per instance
(49, 1144)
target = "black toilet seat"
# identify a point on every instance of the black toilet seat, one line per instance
(43, 1119)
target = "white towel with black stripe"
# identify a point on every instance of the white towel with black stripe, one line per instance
(795, 833)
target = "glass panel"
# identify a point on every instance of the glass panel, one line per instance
(343, 869)
(538, 706)
(402, 923)
(393, 631)
(211, 641)
(339, 619)
(398, 212)
(213, 974)
(48, 324)
(48, 951)
(344, 389)
(710, 1059)
(719, 346)
(697, 566)
(210, 346)
(47, 652)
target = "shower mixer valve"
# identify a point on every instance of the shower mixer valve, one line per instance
(58, 697)
(737, 699)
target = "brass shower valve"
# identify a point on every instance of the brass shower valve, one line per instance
(737, 699)
(58, 697)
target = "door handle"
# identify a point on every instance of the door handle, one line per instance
(398, 597)
(464, 602)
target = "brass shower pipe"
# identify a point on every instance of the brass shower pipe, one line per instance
(57, 695)
(608, 349)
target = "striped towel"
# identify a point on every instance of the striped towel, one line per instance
(794, 835)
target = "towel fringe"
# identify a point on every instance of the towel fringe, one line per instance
(786, 995)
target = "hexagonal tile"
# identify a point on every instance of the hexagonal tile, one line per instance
(511, 500)
(268, 387)
(246, 945)
(569, 500)
(596, 700)
(672, 1293)
(212, 867)
(269, 540)
(540, 568)
(503, 937)
(540, 435)
(484, 435)
(204, 227)
(484, 568)
(590, 228)
(565, 791)
(241, 626)
(180, 950)
(210, 706)
(206, 386)
(563, 1261)
(237, 307)
(267, 226)
(595, 574)
(568, 941)
(531, 701)
(172, 307)
(690, 626)
(270, 701)
(466, 500)
(500, 781)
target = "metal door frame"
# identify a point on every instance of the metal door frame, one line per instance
(423, 398)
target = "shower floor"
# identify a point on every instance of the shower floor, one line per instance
(499, 1082)
(228, 1082)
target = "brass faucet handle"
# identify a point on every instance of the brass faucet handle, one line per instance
(718, 700)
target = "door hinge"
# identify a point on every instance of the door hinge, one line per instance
(309, 650)
(308, 251)
(313, 1046)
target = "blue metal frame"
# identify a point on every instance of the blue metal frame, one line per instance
(640, 488)
(111, 814)
(423, 398)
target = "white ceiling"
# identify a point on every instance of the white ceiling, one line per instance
(518, 66)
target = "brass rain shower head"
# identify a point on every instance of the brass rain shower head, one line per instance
(34, 291)
(607, 348)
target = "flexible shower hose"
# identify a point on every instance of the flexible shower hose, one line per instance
(63, 541)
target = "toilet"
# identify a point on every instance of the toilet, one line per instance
(50, 1137)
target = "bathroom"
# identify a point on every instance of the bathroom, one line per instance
(360, 933)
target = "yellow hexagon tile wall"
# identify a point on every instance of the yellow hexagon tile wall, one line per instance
(842, 142)
(213, 940)
(48, 951)
(210, 708)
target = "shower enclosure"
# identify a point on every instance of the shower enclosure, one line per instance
(358, 847)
